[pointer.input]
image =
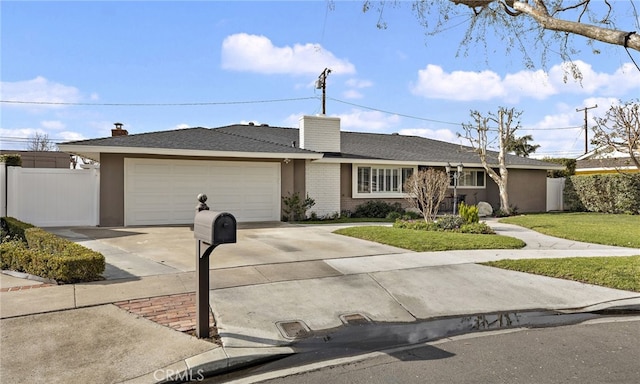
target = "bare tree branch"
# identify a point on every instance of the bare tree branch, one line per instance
(620, 130)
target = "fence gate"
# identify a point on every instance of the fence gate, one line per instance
(555, 188)
(52, 197)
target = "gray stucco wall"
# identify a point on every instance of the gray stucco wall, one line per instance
(112, 190)
(527, 191)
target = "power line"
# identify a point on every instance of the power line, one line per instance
(439, 121)
(393, 113)
(24, 102)
(156, 104)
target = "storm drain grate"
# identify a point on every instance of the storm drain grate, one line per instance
(293, 329)
(354, 319)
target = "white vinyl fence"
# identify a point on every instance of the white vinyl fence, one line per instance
(555, 201)
(51, 197)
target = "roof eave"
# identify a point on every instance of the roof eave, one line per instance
(340, 160)
(97, 150)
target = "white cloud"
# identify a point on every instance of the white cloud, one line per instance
(40, 90)
(526, 83)
(71, 136)
(182, 126)
(435, 134)
(355, 85)
(52, 124)
(367, 121)
(434, 83)
(253, 53)
(352, 94)
(358, 83)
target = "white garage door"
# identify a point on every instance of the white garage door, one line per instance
(165, 191)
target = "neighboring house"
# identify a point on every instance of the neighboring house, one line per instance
(154, 178)
(602, 160)
(42, 159)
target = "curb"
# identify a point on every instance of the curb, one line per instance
(211, 363)
(26, 276)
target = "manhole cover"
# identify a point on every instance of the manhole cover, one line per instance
(293, 329)
(354, 319)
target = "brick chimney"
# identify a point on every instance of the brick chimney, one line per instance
(118, 131)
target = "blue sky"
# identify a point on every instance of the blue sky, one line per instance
(216, 63)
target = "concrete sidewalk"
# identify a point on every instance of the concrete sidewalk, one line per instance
(76, 334)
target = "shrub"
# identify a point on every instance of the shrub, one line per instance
(450, 222)
(469, 213)
(394, 215)
(418, 225)
(377, 209)
(46, 255)
(411, 215)
(615, 193)
(479, 228)
(14, 255)
(295, 207)
(13, 228)
(60, 259)
(11, 159)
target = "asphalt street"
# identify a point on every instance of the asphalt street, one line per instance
(598, 351)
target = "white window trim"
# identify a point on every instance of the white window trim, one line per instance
(376, 195)
(472, 186)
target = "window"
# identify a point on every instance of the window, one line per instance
(382, 180)
(469, 179)
(364, 180)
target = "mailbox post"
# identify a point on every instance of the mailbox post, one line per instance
(210, 229)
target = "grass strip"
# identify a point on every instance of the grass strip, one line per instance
(425, 241)
(613, 272)
(598, 228)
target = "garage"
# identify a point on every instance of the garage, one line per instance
(162, 191)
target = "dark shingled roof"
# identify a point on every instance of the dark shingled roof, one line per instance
(354, 145)
(205, 139)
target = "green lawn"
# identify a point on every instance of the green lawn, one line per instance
(424, 241)
(608, 229)
(598, 228)
(612, 272)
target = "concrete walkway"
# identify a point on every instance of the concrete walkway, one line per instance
(259, 305)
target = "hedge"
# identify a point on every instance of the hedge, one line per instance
(14, 228)
(608, 193)
(11, 159)
(51, 257)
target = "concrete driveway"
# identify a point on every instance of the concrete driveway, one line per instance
(145, 251)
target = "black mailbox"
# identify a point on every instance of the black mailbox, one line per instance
(215, 228)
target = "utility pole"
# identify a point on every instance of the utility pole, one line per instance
(321, 83)
(586, 130)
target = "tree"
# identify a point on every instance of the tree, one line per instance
(619, 129)
(525, 24)
(425, 190)
(520, 146)
(40, 142)
(481, 136)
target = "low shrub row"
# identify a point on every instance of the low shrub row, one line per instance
(448, 223)
(377, 209)
(46, 255)
(13, 228)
